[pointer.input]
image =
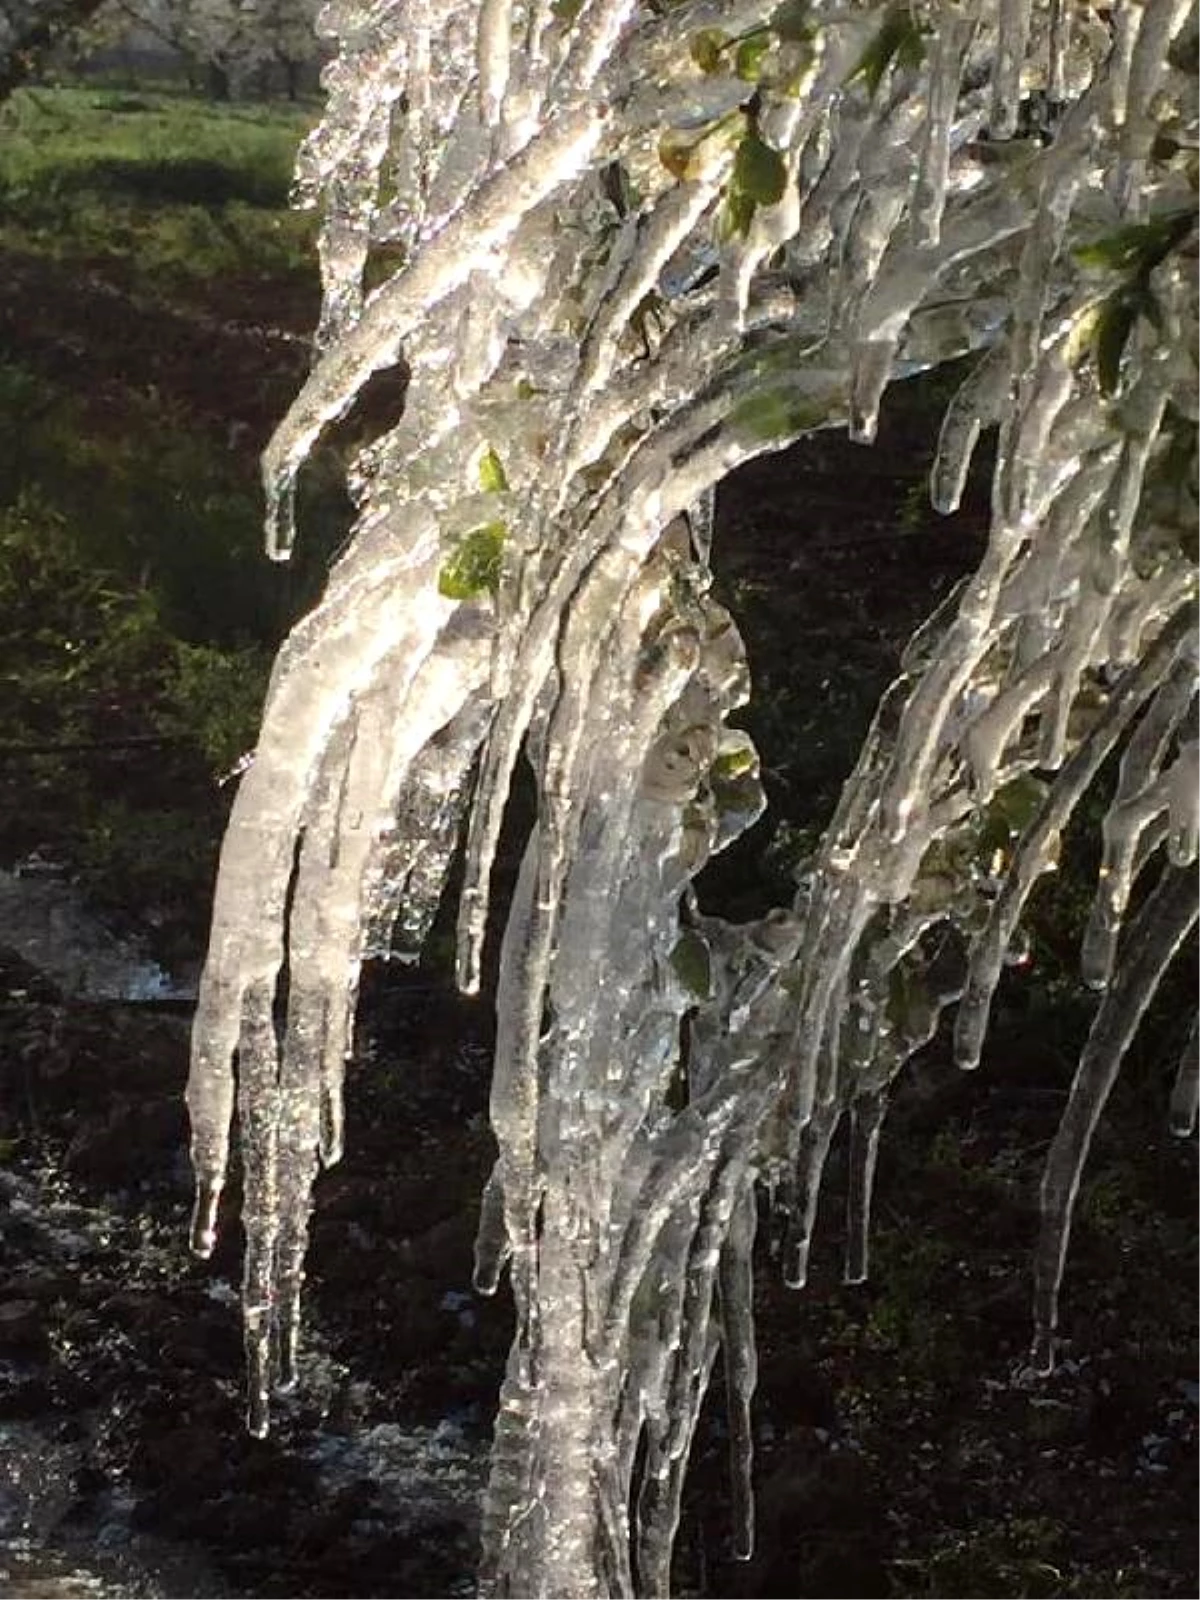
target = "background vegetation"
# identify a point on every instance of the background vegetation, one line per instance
(156, 294)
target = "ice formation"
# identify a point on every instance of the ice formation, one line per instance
(619, 248)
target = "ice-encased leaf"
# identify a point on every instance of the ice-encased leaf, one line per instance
(474, 568)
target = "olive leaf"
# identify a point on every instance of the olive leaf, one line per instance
(735, 216)
(751, 50)
(474, 568)
(1016, 804)
(492, 479)
(759, 172)
(707, 47)
(899, 40)
(735, 761)
(1139, 246)
(1009, 813)
(776, 414)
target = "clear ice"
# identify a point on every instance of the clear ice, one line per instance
(617, 250)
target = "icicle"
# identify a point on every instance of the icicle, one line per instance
(954, 31)
(494, 132)
(1154, 937)
(1183, 807)
(592, 40)
(735, 1279)
(510, 1491)
(977, 404)
(1160, 21)
(652, 240)
(801, 1213)
(1032, 854)
(1012, 32)
(258, 1119)
(514, 1097)
(1139, 799)
(1187, 1082)
(1059, 46)
(866, 1120)
(661, 1497)
(662, 1487)
(494, 49)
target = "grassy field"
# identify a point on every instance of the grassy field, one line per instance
(171, 192)
(156, 293)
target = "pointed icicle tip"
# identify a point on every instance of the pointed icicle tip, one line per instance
(202, 1235)
(795, 1262)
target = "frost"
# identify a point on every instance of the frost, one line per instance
(618, 251)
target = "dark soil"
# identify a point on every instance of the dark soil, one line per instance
(903, 1447)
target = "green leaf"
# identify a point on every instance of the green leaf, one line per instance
(776, 414)
(1139, 247)
(1113, 327)
(735, 216)
(474, 568)
(733, 763)
(1005, 818)
(707, 47)
(692, 965)
(758, 171)
(747, 62)
(899, 39)
(566, 11)
(491, 473)
(1016, 804)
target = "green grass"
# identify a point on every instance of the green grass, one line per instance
(159, 505)
(138, 612)
(176, 190)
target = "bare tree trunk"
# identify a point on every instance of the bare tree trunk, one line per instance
(217, 75)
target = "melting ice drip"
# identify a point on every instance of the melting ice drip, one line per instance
(639, 246)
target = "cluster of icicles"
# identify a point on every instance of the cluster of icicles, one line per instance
(621, 248)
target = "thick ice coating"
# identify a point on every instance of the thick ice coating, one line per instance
(617, 249)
